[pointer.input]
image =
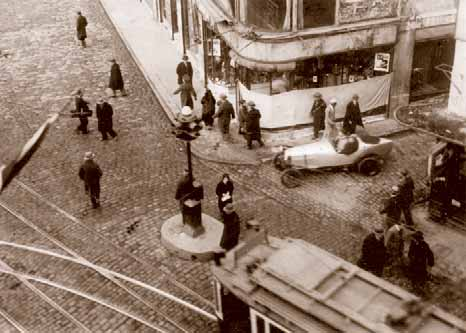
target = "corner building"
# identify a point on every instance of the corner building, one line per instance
(280, 52)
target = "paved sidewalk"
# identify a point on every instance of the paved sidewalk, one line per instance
(157, 56)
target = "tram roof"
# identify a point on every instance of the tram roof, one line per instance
(311, 288)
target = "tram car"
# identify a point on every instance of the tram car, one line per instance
(271, 285)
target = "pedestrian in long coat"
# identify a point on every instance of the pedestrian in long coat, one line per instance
(82, 109)
(208, 108)
(373, 252)
(184, 68)
(81, 24)
(318, 114)
(242, 116)
(224, 191)
(91, 173)
(253, 128)
(187, 93)
(331, 130)
(225, 113)
(391, 208)
(116, 79)
(104, 114)
(352, 116)
(406, 196)
(420, 256)
(231, 228)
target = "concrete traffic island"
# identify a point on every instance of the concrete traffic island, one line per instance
(176, 237)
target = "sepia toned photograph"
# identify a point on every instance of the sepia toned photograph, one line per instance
(233, 166)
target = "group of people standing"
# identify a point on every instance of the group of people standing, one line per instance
(398, 246)
(221, 109)
(324, 118)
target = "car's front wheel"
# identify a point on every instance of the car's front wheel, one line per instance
(291, 178)
(369, 166)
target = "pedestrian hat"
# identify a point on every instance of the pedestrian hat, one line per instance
(186, 111)
(229, 208)
(404, 172)
(112, 60)
(378, 230)
(185, 57)
(419, 235)
(333, 100)
(89, 155)
(222, 96)
(251, 103)
(242, 101)
(355, 96)
(100, 100)
(317, 94)
(395, 189)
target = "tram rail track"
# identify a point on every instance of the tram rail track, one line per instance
(67, 236)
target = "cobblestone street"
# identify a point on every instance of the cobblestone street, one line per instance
(141, 168)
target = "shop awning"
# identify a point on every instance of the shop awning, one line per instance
(262, 66)
(211, 12)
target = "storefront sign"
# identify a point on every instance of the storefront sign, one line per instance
(360, 10)
(382, 62)
(433, 21)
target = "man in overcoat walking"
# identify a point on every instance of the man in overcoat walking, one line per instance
(91, 173)
(253, 127)
(116, 79)
(104, 114)
(225, 113)
(208, 108)
(420, 256)
(82, 112)
(81, 24)
(352, 116)
(406, 196)
(231, 228)
(318, 114)
(242, 116)
(186, 92)
(184, 68)
(373, 252)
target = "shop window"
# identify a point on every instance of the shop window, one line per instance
(271, 15)
(318, 13)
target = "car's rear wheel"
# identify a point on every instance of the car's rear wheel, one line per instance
(291, 178)
(279, 161)
(369, 166)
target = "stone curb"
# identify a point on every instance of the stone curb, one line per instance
(167, 106)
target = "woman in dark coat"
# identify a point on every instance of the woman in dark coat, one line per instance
(224, 192)
(352, 116)
(186, 92)
(231, 228)
(208, 108)
(116, 79)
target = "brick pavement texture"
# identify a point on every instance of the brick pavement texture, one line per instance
(142, 166)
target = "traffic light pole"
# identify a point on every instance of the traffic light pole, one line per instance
(190, 166)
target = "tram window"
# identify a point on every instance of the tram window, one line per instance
(261, 324)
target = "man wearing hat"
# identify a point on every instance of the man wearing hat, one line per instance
(90, 173)
(104, 114)
(373, 252)
(187, 92)
(81, 111)
(352, 116)
(231, 227)
(406, 196)
(81, 23)
(253, 128)
(318, 114)
(116, 79)
(225, 113)
(184, 68)
(392, 208)
(331, 130)
(420, 256)
(242, 116)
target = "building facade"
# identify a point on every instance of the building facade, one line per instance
(280, 52)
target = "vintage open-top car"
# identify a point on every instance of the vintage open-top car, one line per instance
(359, 151)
